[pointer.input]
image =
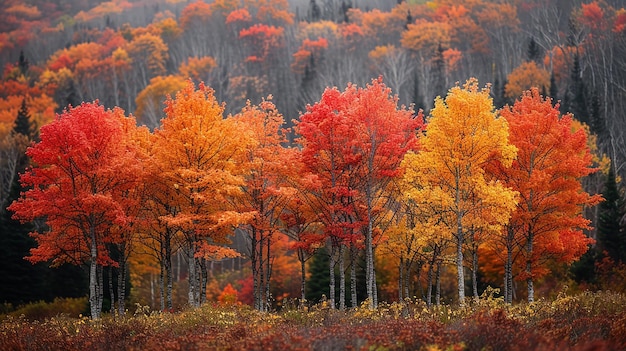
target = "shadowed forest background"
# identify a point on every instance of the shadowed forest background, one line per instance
(133, 54)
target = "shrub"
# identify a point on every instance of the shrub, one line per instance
(71, 307)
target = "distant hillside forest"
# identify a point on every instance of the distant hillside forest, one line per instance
(132, 54)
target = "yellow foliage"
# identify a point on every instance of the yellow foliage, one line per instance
(316, 30)
(150, 100)
(448, 177)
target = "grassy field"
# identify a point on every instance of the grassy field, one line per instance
(589, 321)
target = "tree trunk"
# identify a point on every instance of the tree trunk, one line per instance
(152, 303)
(438, 284)
(401, 279)
(93, 298)
(407, 278)
(203, 280)
(374, 284)
(529, 279)
(342, 278)
(261, 286)
(100, 287)
(255, 270)
(459, 261)
(369, 258)
(353, 296)
(331, 270)
(162, 287)
(268, 276)
(121, 287)
(168, 271)
(301, 256)
(508, 267)
(191, 295)
(111, 292)
(429, 293)
(475, 273)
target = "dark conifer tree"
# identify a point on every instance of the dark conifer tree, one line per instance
(439, 72)
(575, 100)
(611, 233)
(318, 283)
(409, 19)
(596, 118)
(23, 63)
(498, 94)
(345, 7)
(23, 124)
(418, 99)
(534, 51)
(314, 13)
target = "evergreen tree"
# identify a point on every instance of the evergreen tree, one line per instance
(345, 7)
(498, 94)
(23, 63)
(314, 13)
(23, 125)
(409, 19)
(575, 101)
(418, 100)
(439, 72)
(534, 51)
(583, 270)
(595, 116)
(318, 283)
(611, 234)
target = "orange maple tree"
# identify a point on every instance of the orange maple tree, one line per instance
(266, 190)
(198, 154)
(551, 161)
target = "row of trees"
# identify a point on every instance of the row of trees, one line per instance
(368, 174)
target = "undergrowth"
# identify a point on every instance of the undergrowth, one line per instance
(580, 322)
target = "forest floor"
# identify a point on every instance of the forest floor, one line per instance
(587, 321)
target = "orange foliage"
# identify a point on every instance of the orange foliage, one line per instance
(228, 295)
(69, 57)
(452, 57)
(23, 11)
(379, 24)
(524, 77)
(562, 59)
(195, 13)
(239, 15)
(272, 12)
(593, 16)
(308, 48)
(168, 29)
(263, 40)
(551, 161)
(198, 69)
(619, 23)
(103, 9)
(426, 37)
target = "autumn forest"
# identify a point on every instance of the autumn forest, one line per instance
(350, 162)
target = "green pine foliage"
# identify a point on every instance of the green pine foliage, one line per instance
(611, 233)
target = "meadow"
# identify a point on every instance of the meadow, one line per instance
(586, 321)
